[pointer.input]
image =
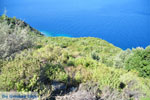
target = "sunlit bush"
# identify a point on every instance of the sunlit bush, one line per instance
(140, 61)
(13, 40)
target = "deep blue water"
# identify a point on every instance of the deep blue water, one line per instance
(124, 23)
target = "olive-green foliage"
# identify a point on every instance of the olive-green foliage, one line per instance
(86, 62)
(135, 83)
(121, 58)
(121, 80)
(1, 64)
(140, 61)
(95, 56)
(97, 49)
(3, 17)
(71, 61)
(55, 72)
(14, 37)
(33, 70)
(13, 22)
(145, 99)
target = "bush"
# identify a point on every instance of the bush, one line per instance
(3, 17)
(13, 40)
(140, 61)
(120, 59)
(55, 72)
(107, 77)
(95, 56)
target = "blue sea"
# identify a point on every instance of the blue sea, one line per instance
(124, 23)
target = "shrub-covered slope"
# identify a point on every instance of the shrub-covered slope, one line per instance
(32, 62)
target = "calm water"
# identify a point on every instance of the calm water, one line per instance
(125, 23)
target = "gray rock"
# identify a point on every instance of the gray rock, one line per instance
(91, 87)
(58, 87)
(79, 95)
(86, 91)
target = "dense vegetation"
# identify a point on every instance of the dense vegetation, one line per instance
(30, 61)
(140, 61)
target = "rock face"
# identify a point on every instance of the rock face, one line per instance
(90, 91)
(86, 91)
(58, 87)
(79, 95)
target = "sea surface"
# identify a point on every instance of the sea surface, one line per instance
(124, 23)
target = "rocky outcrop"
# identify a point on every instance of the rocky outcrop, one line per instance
(79, 95)
(86, 91)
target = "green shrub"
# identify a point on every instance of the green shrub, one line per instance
(86, 62)
(140, 61)
(120, 59)
(107, 77)
(137, 84)
(13, 40)
(3, 17)
(55, 72)
(95, 56)
(70, 63)
(23, 86)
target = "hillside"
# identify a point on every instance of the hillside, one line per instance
(64, 68)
